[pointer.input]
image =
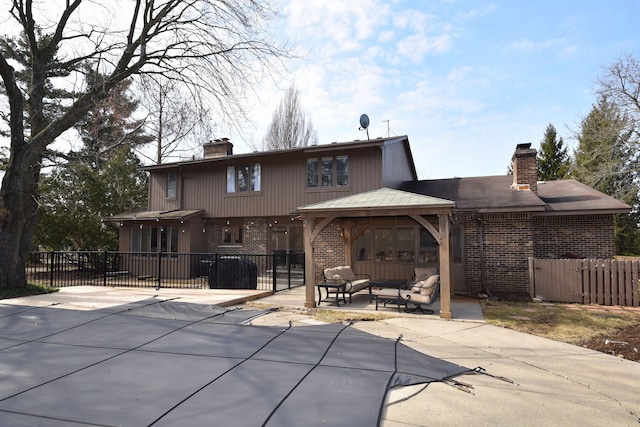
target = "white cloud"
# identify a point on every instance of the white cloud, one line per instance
(529, 46)
(415, 47)
(434, 72)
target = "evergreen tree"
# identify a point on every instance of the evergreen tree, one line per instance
(99, 180)
(553, 160)
(607, 161)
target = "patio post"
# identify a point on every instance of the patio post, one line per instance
(445, 266)
(309, 270)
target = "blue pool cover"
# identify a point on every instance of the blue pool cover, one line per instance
(167, 363)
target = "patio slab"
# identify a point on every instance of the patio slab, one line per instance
(553, 383)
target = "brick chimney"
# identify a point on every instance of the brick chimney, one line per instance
(218, 148)
(525, 168)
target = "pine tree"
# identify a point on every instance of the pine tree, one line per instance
(553, 160)
(102, 178)
(607, 161)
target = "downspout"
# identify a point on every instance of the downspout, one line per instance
(181, 188)
(483, 278)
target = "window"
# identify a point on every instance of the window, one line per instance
(242, 179)
(396, 244)
(364, 243)
(405, 245)
(312, 173)
(328, 172)
(342, 171)
(172, 181)
(232, 233)
(428, 247)
(153, 239)
(383, 244)
(231, 179)
(256, 172)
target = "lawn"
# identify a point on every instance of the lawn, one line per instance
(614, 330)
(25, 291)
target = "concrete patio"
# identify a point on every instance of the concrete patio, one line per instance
(553, 383)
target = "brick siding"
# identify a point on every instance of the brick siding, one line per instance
(510, 239)
(329, 250)
(589, 236)
(254, 237)
(508, 244)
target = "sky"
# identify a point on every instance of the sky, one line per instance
(465, 80)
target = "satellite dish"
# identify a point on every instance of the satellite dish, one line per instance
(364, 121)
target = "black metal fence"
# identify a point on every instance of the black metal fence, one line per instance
(276, 272)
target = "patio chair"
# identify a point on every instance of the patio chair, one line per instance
(422, 273)
(422, 294)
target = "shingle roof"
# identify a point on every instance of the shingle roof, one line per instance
(571, 195)
(383, 198)
(494, 193)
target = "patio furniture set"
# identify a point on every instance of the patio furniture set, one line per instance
(418, 293)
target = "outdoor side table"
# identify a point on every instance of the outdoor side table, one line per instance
(332, 287)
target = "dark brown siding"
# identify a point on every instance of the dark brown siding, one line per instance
(158, 191)
(283, 185)
(396, 168)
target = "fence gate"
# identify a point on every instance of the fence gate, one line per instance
(585, 281)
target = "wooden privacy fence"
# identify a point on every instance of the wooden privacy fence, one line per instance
(585, 281)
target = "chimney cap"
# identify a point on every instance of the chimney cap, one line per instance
(524, 146)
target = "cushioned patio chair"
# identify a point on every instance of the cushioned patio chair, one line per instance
(422, 294)
(422, 273)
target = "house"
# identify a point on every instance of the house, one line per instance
(233, 204)
(359, 203)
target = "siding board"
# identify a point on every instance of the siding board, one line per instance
(283, 184)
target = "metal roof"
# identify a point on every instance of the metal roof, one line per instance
(383, 198)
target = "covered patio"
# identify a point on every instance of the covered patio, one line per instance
(431, 213)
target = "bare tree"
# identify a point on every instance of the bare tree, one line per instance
(213, 47)
(178, 121)
(289, 127)
(620, 84)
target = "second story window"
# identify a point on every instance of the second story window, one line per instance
(172, 185)
(328, 172)
(246, 178)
